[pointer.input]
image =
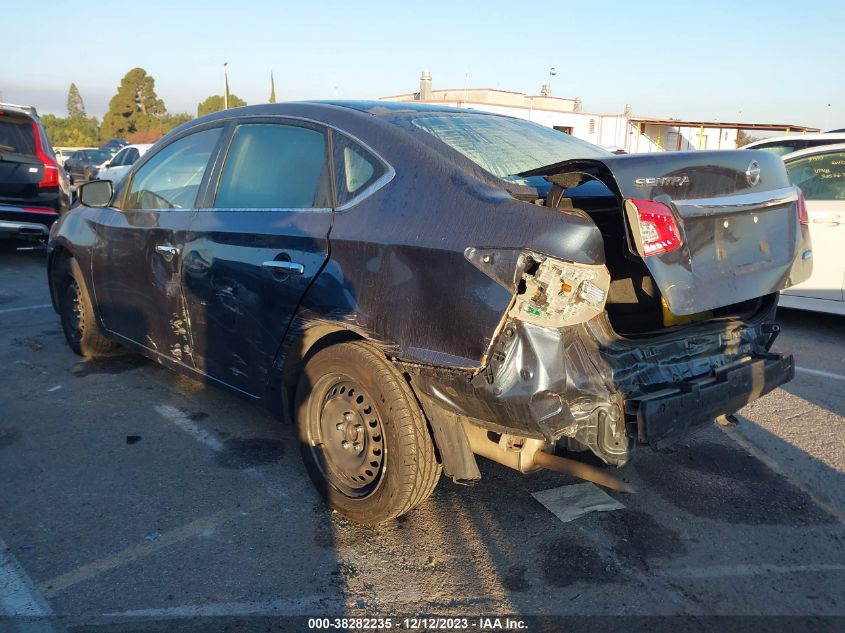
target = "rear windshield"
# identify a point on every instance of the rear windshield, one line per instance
(98, 155)
(504, 146)
(16, 136)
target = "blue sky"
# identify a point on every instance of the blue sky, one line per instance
(751, 61)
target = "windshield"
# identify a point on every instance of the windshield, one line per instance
(504, 146)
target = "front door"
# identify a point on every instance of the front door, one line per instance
(137, 260)
(821, 177)
(253, 252)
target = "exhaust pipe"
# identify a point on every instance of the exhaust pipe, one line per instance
(580, 470)
(527, 455)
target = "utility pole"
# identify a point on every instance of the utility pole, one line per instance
(552, 73)
(225, 87)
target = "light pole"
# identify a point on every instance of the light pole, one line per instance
(225, 87)
(552, 73)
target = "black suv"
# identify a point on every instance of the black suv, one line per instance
(34, 190)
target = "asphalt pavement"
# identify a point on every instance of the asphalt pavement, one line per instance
(131, 493)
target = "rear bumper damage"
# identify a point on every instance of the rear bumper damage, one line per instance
(584, 387)
(664, 417)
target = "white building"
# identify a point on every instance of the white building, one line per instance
(624, 131)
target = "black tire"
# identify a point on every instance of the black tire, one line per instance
(349, 393)
(80, 325)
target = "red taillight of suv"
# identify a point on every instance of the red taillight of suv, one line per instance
(803, 218)
(51, 167)
(655, 225)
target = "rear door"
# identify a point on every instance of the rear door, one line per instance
(137, 258)
(821, 177)
(256, 246)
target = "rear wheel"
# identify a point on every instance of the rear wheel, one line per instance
(82, 331)
(363, 437)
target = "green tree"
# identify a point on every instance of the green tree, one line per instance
(272, 89)
(214, 103)
(75, 106)
(744, 138)
(70, 132)
(135, 107)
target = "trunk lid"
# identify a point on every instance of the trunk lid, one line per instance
(736, 213)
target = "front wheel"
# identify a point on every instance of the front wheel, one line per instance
(79, 322)
(364, 439)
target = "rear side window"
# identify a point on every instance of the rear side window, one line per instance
(277, 166)
(171, 179)
(820, 177)
(16, 136)
(131, 156)
(355, 168)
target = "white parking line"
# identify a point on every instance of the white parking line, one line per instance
(18, 596)
(818, 372)
(180, 419)
(26, 308)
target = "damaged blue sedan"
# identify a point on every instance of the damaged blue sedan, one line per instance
(414, 286)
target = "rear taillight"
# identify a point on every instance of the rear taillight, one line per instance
(51, 167)
(803, 218)
(654, 224)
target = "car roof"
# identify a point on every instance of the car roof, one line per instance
(143, 146)
(818, 149)
(375, 109)
(390, 107)
(801, 137)
(22, 109)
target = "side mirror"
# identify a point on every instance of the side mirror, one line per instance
(107, 164)
(97, 193)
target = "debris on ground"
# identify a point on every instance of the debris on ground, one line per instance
(570, 502)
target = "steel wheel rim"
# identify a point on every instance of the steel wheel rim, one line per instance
(346, 435)
(73, 315)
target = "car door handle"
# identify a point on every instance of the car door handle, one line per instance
(167, 251)
(288, 268)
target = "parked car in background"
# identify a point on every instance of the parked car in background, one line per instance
(84, 164)
(416, 285)
(116, 167)
(63, 153)
(33, 188)
(820, 173)
(782, 145)
(114, 145)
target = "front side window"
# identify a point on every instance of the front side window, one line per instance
(820, 177)
(172, 178)
(119, 159)
(504, 146)
(272, 165)
(355, 168)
